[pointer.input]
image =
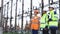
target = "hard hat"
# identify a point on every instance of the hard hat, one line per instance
(45, 9)
(36, 11)
(44, 12)
(51, 6)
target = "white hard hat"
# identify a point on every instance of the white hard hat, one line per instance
(51, 6)
(45, 9)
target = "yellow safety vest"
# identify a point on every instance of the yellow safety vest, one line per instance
(43, 21)
(54, 18)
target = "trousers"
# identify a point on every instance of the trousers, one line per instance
(34, 31)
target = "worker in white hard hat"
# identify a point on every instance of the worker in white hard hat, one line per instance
(44, 21)
(53, 23)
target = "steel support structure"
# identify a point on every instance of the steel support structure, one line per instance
(49, 3)
(31, 9)
(4, 16)
(16, 15)
(11, 15)
(7, 16)
(59, 16)
(42, 6)
(22, 16)
(1, 17)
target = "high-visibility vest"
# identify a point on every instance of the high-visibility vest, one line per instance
(54, 18)
(53, 23)
(44, 21)
(34, 24)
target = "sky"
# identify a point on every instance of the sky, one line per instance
(19, 9)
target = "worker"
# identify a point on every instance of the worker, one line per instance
(46, 30)
(44, 20)
(35, 24)
(53, 20)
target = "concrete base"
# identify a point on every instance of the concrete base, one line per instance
(1, 30)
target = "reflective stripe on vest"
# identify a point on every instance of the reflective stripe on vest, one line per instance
(43, 25)
(53, 23)
(54, 18)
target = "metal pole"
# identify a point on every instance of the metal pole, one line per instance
(52, 1)
(1, 11)
(59, 9)
(18, 19)
(16, 15)
(7, 17)
(7, 12)
(11, 14)
(1, 17)
(4, 16)
(42, 6)
(31, 10)
(59, 16)
(22, 16)
(49, 3)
